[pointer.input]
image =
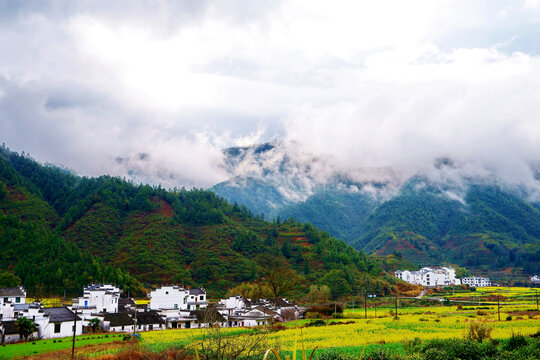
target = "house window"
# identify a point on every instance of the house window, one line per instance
(73, 328)
(151, 327)
(6, 299)
(202, 297)
(57, 328)
(17, 299)
(166, 293)
(176, 306)
(122, 327)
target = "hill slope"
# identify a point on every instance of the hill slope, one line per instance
(151, 235)
(469, 222)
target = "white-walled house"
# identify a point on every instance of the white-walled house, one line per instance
(168, 297)
(118, 322)
(59, 322)
(12, 295)
(98, 298)
(197, 299)
(150, 320)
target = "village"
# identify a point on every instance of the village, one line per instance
(434, 276)
(170, 307)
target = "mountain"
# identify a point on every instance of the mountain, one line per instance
(427, 218)
(61, 231)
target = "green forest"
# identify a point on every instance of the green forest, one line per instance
(60, 231)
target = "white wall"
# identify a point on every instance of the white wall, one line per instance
(168, 297)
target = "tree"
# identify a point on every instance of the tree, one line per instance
(318, 294)
(3, 191)
(94, 324)
(335, 280)
(279, 276)
(8, 279)
(25, 327)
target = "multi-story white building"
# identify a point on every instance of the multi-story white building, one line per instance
(176, 297)
(430, 276)
(476, 281)
(168, 297)
(98, 298)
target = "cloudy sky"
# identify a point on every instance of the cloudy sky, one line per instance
(153, 90)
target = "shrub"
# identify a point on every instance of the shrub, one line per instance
(509, 318)
(333, 355)
(516, 341)
(482, 313)
(478, 331)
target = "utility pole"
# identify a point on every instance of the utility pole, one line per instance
(74, 332)
(499, 307)
(396, 317)
(365, 304)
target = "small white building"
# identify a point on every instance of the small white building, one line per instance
(197, 299)
(535, 279)
(9, 296)
(168, 297)
(118, 322)
(476, 281)
(150, 320)
(59, 322)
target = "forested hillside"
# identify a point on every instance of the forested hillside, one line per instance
(61, 231)
(474, 223)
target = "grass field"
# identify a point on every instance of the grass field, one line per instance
(425, 323)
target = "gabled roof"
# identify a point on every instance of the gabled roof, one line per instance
(149, 317)
(263, 310)
(12, 291)
(60, 314)
(118, 319)
(279, 302)
(126, 301)
(208, 315)
(197, 291)
(9, 327)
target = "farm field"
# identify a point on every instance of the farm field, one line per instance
(348, 334)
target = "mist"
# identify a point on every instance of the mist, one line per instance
(351, 93)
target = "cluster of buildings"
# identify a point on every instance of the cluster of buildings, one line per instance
(432, 276)
(170, 307)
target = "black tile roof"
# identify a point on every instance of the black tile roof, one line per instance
(196, 292)
(126, 301)
(208, 315)
(119, 319)
(12, 291)
(60, 314)
(9, 327)
(149, 317)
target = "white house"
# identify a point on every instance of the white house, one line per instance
(150, 320)
(197, 299)
(476, 281)
(118, 322)
(58, 322)
(535, 279)
(13, 295)
(98, 298)
(168, 297)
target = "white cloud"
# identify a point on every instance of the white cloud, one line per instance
(362, 83)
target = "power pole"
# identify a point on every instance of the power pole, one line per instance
(365, 305)
(499, 307)
(396, 317)
(74, 332)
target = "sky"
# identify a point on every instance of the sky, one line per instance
(154, 90)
